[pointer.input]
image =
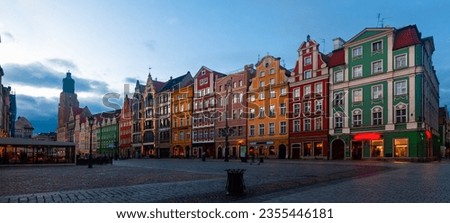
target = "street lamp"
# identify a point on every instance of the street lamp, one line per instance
(91, 123)
(227, 128)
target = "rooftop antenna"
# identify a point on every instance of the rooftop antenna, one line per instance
(380, 21)
(323, 45)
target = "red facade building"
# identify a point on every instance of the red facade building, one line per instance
(231, 97)
(204, 112)
(125, 128)
(309, 104)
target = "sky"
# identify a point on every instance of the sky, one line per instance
(109, 44)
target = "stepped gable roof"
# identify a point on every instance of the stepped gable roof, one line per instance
(407, 36)
(336, 58)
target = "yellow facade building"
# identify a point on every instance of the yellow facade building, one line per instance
(268, 100)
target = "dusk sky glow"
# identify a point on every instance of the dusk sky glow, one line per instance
(108, 44)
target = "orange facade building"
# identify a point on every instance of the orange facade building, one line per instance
(268, 100)
(182, 121)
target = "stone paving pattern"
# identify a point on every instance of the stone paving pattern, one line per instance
(170, 180)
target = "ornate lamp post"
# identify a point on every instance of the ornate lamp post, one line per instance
(91, 123)
(227, 132)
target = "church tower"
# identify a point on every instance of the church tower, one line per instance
(67, 101)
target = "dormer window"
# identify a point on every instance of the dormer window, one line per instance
(307, 60)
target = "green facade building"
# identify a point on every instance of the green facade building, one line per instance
(385, 96)
(108, 133)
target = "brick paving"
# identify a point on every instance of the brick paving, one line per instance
(167, 180)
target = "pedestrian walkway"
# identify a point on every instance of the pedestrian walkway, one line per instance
(150, 180)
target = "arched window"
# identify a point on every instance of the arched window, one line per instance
(357, 117)
(400, 113)
(377, 115)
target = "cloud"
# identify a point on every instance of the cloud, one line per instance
(150, 45)
(7, 36)
(41, 112)
(38, 74)
(63, 64)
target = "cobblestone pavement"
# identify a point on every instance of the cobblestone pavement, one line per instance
(169, 180)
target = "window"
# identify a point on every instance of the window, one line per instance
(211, 134)
(400, 88)
(272, 71)
(318, 147)
(272, 94)
(401, 147)
(377, 47)
(272, 110)
(400, 61)
(338, 76)
(261, 84)
(318, 105)
(377, 92)
(357, 118)
(181, 136)
(357, 52)
(339, 98)
(377, 148)
(252, 113)
(283, 91)
(297, 93)
(261, 129)
(252, 97)
(338, 120)
(307, 149)
(271, 128)
(240, 130)
(377, 67)
(400, 113)
(236, 98)
(296, 109)
(307, 74)
(318, 88)
(262, 74)
(261, 112)
(307, 90)
(357, 95)
(307, 60)
(377, 116)
(282, 127)
(282, 108)
(318, 123)
(234, 84)
(307, 124)
(240, 83)
(357, 71)
(194, 135)
(272, 81)
(296, 125)
(262, 95)
(307, 106)
(241, 114)
(252, 130)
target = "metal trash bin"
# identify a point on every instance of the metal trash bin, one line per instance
(235, 182)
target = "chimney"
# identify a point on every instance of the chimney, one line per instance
(338, 43)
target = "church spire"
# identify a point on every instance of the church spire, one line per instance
(68, 83)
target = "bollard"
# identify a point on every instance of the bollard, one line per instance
(235, 182)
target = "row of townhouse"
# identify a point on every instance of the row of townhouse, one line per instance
(375, 96)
